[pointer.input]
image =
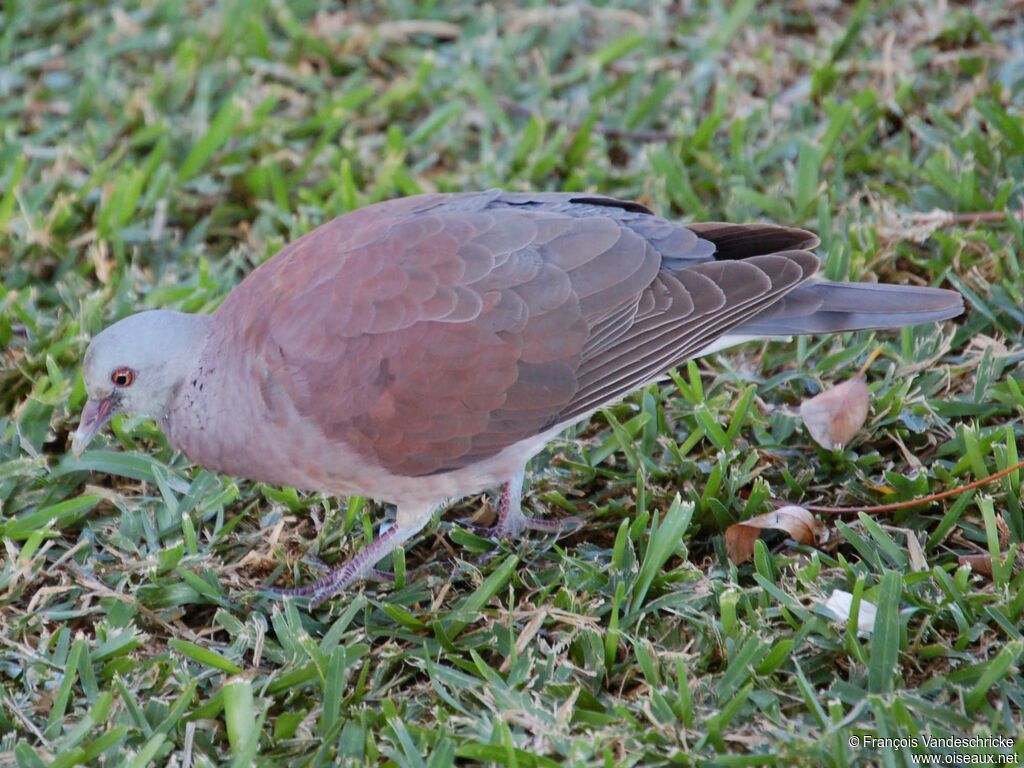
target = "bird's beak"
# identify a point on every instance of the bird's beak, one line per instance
(95, 414)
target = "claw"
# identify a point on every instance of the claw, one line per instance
(514, 527)
(374, 574)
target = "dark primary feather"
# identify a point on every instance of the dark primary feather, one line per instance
(428, 333)
(740, 241)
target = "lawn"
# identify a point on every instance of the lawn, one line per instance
(153, 153)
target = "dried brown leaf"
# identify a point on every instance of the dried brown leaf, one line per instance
(800, 524)
(980, 564)
(835, 415)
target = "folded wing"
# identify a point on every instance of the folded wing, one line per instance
(430, 335)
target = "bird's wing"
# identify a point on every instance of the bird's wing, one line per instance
(439, 334)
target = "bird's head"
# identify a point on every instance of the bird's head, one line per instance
(135, 366)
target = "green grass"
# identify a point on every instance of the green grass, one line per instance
(152, 154)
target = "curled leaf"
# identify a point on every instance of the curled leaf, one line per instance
(839, 604)
(800, 524)
(835, 415)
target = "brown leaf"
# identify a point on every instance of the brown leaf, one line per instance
(835, 415)
(980, 564)
(800, 524)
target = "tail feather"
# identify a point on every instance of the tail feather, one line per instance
(826, 307)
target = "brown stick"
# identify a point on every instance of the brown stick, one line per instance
(516, 108)
(905, 504)
(949, 219)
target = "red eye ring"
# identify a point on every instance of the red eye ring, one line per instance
(123, 377)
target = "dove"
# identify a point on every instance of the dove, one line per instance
(423, 349)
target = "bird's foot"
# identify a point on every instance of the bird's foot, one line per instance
(360, 567)
(513, 526)
(318, 592)
(512, 523)
(374, 574)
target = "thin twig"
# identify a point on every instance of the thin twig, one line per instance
(949, 219)
(871, 358)
(516, 108)
(905, 504)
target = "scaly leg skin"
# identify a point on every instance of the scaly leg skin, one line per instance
(409, 523)
(375, 574)
(512, 522)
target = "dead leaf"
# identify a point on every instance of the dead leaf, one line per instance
(835, 415)
(980, 564)
(918, 562)
(1004, 532)
(800, 524)
(839, 604)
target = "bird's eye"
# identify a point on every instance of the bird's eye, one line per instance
(123, 377)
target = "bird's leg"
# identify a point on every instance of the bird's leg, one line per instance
(409, 523)
(512, 522)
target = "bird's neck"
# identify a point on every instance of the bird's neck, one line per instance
(185, 363)
(214, 413)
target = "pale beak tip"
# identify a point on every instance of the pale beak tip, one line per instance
(95, 414)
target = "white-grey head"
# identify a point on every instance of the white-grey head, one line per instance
(135, 366)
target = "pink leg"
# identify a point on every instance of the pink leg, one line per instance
(512, 522)
(361, 565)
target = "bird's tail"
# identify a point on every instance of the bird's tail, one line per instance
(822, 306)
